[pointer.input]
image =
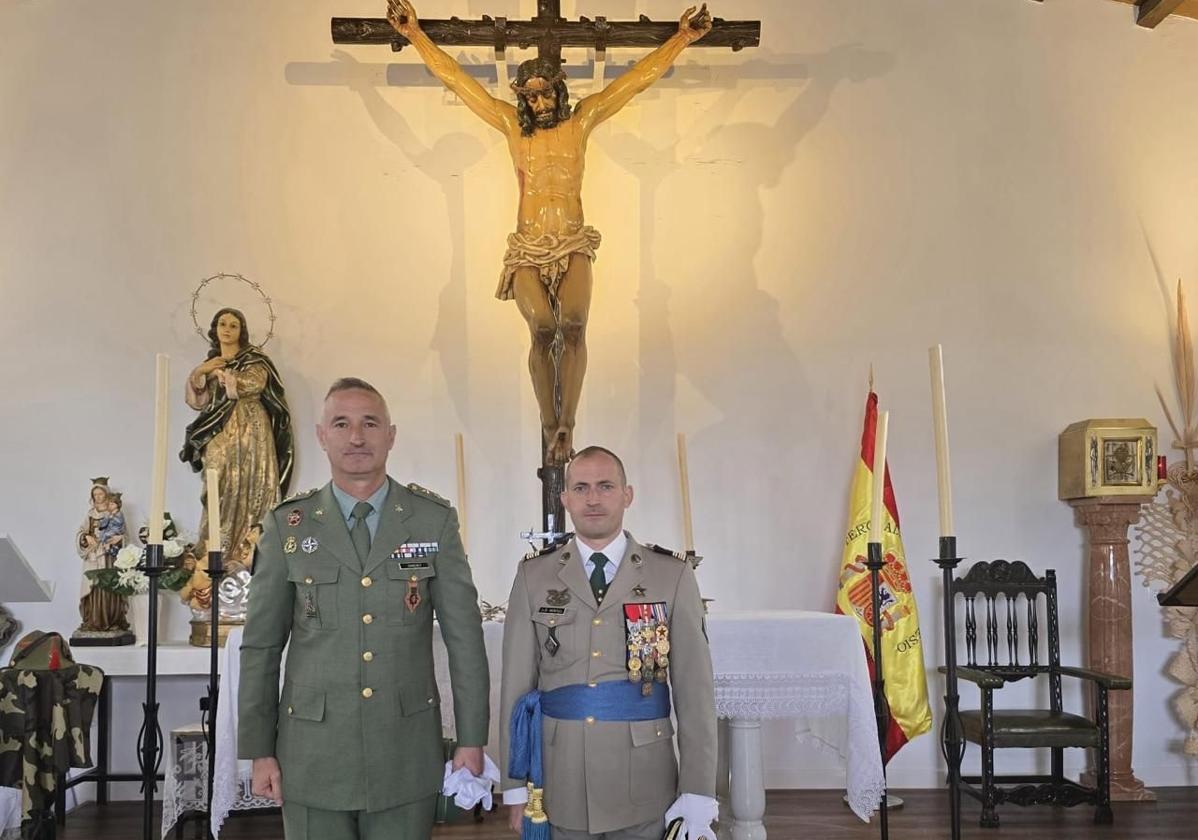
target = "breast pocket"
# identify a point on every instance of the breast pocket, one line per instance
(557, 636)
(315, 593)
(408, 591)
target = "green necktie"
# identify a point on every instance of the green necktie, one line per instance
(360, 534)
(598, 578)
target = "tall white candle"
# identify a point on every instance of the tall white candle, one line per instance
(213, 484)
(876, 512)
(688, 528)
(158, 482)
(940, 428)
(459, 448)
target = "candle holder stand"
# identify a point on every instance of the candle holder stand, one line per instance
(208, 705)
(952, 742)
(149, 756)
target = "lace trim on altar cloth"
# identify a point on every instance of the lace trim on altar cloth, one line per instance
(773, 696)
(185, 788)
(827, 714)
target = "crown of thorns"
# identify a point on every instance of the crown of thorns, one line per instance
(553, 79)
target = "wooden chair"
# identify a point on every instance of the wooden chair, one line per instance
(1050, 728)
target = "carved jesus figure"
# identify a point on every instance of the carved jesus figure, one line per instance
(547, 267)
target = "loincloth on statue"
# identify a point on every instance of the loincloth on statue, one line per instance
(548, 253)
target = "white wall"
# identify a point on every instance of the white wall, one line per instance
(1013, 179)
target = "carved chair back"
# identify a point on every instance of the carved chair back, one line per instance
(1004, 592)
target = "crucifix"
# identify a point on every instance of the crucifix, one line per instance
(547, 266)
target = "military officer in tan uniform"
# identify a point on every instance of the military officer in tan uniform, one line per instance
(601, 634)
(352, 575)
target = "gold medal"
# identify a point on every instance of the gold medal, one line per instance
(663, 646)
(634, 676)
(660, 676)
(646, 689)
(663, 661)
(634, 664)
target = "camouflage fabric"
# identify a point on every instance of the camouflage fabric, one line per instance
(8, 626)
(46, 707)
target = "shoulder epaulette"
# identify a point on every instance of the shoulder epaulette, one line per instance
(428, 494)
(296, 497)
(677, 555)
(549, 549)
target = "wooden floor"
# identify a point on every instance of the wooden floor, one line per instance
(790, 815)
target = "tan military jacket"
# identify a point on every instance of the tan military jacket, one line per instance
(606, 775)
(358, 726)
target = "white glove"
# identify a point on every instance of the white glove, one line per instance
(468, 789)
(697, 812)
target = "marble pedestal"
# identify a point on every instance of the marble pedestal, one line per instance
(1105, 521)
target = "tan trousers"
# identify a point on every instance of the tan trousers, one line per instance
(645, 831)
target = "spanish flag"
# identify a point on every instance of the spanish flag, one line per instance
(902, 646)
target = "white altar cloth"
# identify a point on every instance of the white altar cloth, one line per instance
(805, 666)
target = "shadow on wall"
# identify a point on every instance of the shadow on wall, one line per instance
(729, 345)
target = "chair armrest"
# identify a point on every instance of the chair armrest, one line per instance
(1108, 681)
(980, 678)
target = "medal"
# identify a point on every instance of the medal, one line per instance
(646, 689)
(634, 665)
(309, 545)
(663, 646)
(660, 676)
(412, 599)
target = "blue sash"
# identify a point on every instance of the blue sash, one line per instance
(613, 700)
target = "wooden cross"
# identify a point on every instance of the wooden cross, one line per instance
(548, 32)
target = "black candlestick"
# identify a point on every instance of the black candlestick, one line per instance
(881, 711)
(951, 742)
(216, 571)
(150, 740)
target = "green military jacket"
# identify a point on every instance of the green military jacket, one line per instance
(358, 726)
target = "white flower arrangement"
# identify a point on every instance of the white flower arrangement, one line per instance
(127, 558)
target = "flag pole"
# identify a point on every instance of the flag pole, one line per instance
(874, 562)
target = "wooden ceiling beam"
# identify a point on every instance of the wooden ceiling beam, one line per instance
(1151, 12)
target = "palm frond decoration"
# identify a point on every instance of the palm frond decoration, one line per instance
(1186, 435)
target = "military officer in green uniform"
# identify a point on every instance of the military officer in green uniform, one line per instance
(351, 576)
(601, 634)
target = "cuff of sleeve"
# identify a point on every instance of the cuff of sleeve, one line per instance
(515, 796)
